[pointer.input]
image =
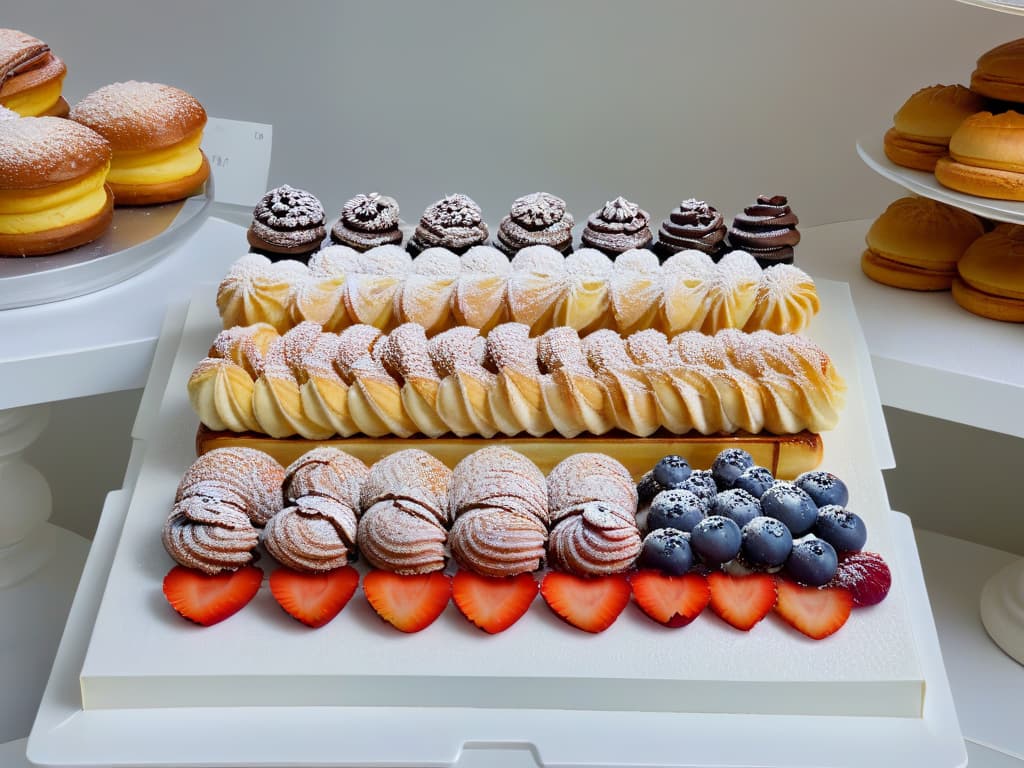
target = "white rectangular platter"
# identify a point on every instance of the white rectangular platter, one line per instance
(222, 706)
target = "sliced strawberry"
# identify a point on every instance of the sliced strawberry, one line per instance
(493, 604)
(408, 603)
(314, 598)
(207, 599)
(742, 601)
(591, 604)
(815, 611)
(866, 575)
(674, 601)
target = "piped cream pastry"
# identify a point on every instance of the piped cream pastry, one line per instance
(499, 500)
(323, 396)
(367, 221)
(245, 345)
(326, 472)
(404, 354)
(594, 539)
(245, 478)
(277, 397)
(258, 291)
(406, 512)
(541, 288)
(454, 222)
(221, 393)
(574, 397)
(517, 399)
(536, 219)
(627, 389)
(462, 396)
(209, 535)
(481, 289)
(584, 478)
(617, 227)
(314, 535)
(375, 400)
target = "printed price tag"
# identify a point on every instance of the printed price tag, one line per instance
(239, 155)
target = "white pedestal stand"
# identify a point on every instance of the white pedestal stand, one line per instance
(1002, 609)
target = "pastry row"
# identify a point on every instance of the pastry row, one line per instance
(291, 223)
(385, 287)
(495, 513)
(971, 138)
(317, 384)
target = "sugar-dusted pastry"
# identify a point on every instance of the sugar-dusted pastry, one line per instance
(53, 191)
(31, 77)
(766, 230)
(692, 225)
(221, 393)
(405, 501)
(511, 383)
(786, 300)
(326, 472)
(245, 345)
(155, 131)
(537, 282)
(536, 219)
(245, 478)
(731, 292)
(287, 223)
(426, 295)
(584, 478)
(454, 222)
(585, 304)
(481, 289)
(370, 289)
(617, 227)
(367, 221)
(209, 535)
(499, 502)
(255, 290)
(637, 290)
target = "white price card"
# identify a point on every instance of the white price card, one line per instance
(239, 155)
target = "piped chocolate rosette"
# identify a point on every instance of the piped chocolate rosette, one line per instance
(536, 219)
(454, 222)
(367, 221)
(287, 223)
(617, 227)
(766, 230)
(693, 225)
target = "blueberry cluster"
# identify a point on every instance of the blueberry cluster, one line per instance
(738, 512)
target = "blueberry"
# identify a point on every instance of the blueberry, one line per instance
(754, 481)
(790, 505)
(766, 542)
(730, 464)
(672, 471)
(667, 550)
(677, 508)
(812, 561)
(738, 505)
(841, 528)
(647, 488)
(701, 484)
(716, 539)
(824, 488)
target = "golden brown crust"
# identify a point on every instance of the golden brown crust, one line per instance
(932, 114)
(49, 69)
(165, 192)
(62, 238)
(888, 272)
(983, 182)
(986, 305)
(909, 153)
(37, 152)
(136, 116)
(994, 264)
(1000, 72)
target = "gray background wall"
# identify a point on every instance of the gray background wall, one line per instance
(654, 100)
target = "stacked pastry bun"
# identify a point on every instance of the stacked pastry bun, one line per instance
(317, 384)
(495, 514)
(542, 288)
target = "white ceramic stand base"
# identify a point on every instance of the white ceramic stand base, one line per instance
(1002, 609)
(39, 569)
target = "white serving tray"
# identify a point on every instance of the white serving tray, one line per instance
(434, 736)
(138, 238)
(872, 151)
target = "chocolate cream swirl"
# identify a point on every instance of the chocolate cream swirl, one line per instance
(692, 225)
(367, 221)
(454, 222)
(536, 219)
(287, 217)
(617, 227)
(767, 228)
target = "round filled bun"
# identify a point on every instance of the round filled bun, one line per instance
(1000, 72)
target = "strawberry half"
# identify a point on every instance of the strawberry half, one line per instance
(815, 611)
(493, 604)
(741, 601)
(674, 601)
(207, 599)
(591, 604)
(314, 598)
(408, 603)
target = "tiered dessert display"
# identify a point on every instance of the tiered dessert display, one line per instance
(971, 140)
